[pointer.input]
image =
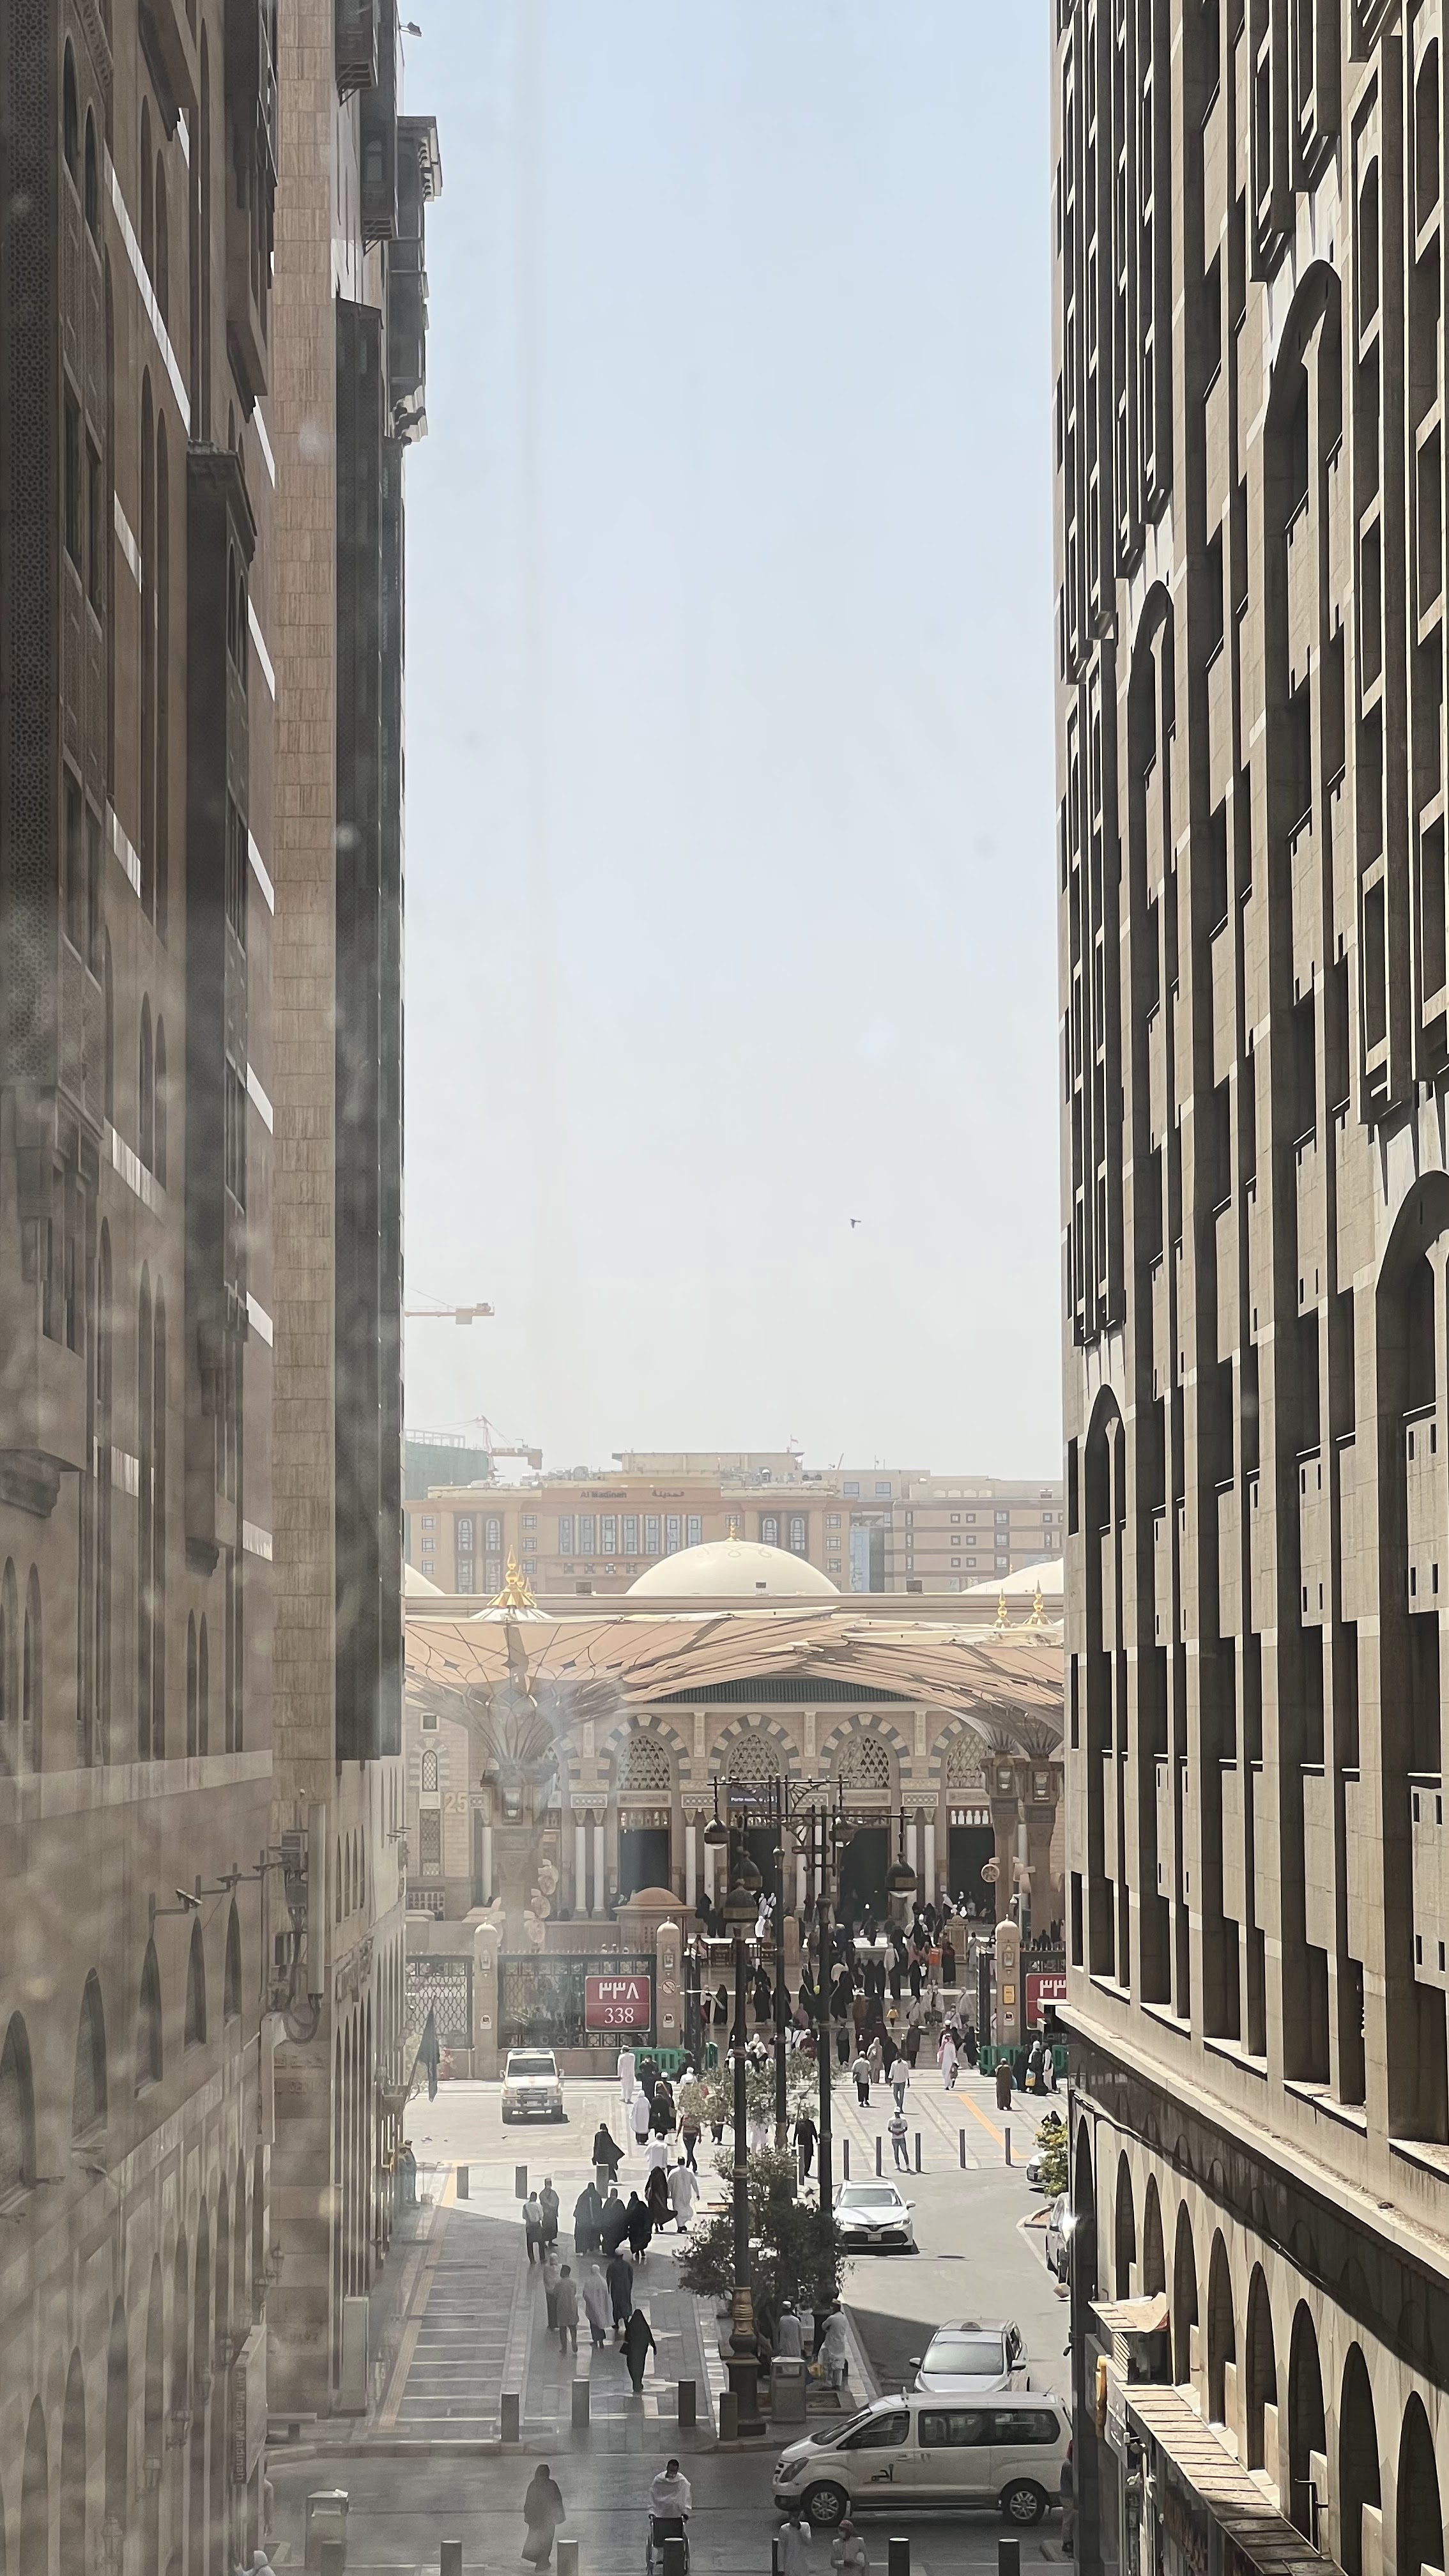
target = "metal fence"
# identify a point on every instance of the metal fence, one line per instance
(541, 2001)
(443, 1987)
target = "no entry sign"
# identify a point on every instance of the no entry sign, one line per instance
(618, 2003)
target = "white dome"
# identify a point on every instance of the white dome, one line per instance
(734, 1569)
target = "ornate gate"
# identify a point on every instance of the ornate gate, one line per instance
(541, 2001)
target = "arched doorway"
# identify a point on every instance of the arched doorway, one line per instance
(1221, 2331)
(74, 2559)
(1084, 2214)
(35, 2499)
(1124, 2232)
(1154, 2256)
(1262, 2366)
(1307, 2430)
(1418, 2514)
(1184, 2297)
(152, 2433)
(1358, 2461)
(644, 1791)
(118, 2413)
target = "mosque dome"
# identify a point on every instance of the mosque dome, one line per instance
(733, 1569)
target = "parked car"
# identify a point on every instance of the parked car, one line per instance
(1059, 2237)
(966, 2358)
(873, 2214)
(1004, 2450)
(532, 2086)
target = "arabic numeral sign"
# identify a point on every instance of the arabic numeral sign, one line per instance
(618, 2003)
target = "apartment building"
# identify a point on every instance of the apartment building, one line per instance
(154, 1247)
(579, 1533)
(1248, 219)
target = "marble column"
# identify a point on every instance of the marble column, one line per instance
(711, 1859)
(487, 1864)
(691, 1883)
(599, 1883)
(581, 1866)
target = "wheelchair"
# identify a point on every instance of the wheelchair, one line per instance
(662, 2527)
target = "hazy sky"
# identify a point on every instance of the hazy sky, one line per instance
(730, 784)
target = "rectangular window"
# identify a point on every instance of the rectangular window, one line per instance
(586, 1533)
(74, 888)
(695, 1529)
(673, 1527)
(631, 1533)
(651, 1533)
(72, 461)
(883, 1493)
(850, 1493)
(530, 1520)
(430, 1520)
(832, 1520)
(95, 531)
(608, 1532)
(430, 1840)
(566, 1535)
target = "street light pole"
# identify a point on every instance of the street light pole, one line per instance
(822, 2003)
(743, 2365)
(782, 2115)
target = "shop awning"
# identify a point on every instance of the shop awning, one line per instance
(1233, 2498)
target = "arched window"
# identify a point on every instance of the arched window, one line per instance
(191, 1683)
(196, 1990)
(1184, 2298)
(9, 1670)
(148, 202)
(1307, 2428)
(145, 1356)
(1154, 2259)
(1358, 2460)
(1221, 2330)
(158, 1534)
(88, 2091)
(163, 677)
(108, 988)
(163, 244)
(17, 2114)
(864, 1763)
(91, 191)
(1124, 2233)
(231, 1981)
(158, 1112)
(202, 397)
(1262, 2367)
(146, 1091)
(430, 1769)
(148, 2023)
(32, 1678)
(148, 646)
(70, 115)
(1420, 2517)
(203, 1689)
(104, 1367)
(72, 2535)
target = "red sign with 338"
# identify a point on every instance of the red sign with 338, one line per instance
(618, 2003)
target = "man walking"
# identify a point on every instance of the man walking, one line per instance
(805, 2136)
(597, 2306)
(792, 2545)
(683, 2192)
(620, 2278)
(897, 2134)
(566, 2310)
(548, 2204)
(533, 2228)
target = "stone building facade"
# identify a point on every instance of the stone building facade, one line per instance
(149, 1125)
(1249, 228)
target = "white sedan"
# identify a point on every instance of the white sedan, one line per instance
(873, 2214)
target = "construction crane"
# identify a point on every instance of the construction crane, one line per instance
(438, 1313)
(493, 1441)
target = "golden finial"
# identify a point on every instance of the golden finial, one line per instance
(517, 1592)
(1001, 1618)
(1038, 1611)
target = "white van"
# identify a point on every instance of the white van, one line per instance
(1004, 2449)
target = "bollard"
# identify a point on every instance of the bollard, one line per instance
(675, 2561)
(1008, 2558)
(462, 2182)
(963, 2151)
(568, 2558)
(898, 2556)
(845, 2159)
(580, 2404)
(508, 2423)
(450, 2558)
(688, 2398)
(1008, 2142)
(877, 2155)
(729, 2415)
(775, 2554)
(520, 2182)
(918, 2151)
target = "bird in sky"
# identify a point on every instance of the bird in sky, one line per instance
(854, 1222)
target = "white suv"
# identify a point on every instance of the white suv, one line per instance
(1004, 2450)
(532, 2086)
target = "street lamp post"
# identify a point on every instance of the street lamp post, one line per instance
(743, 2365)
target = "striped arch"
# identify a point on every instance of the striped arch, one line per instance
(660, 1730)
(848, 1730)
(957, 1733)
(785, 1744)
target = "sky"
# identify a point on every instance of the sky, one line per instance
(731, 963)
